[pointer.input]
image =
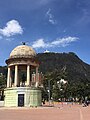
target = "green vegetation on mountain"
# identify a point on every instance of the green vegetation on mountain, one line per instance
(57, 66)
(67, 66)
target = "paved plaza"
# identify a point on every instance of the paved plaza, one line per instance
(58, 112)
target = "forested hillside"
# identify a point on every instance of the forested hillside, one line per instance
(68, 65)
(57, 66)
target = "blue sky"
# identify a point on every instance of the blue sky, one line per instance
(53, 25)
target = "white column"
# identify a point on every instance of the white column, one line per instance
(16, 75)
(36, 77)
(8, 77)
(10, 81)
(28, 75)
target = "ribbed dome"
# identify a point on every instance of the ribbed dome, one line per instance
(22, 51)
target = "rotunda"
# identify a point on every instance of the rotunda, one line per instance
(21, 89)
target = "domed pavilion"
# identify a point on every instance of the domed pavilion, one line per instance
(21, 89)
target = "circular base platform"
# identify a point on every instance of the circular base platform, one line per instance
(22, 96)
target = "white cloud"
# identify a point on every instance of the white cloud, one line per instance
(60, 42)
(9, 39)
(39, 43)
(12, 28)
(50, 17)
(85, 18)
(64, 41)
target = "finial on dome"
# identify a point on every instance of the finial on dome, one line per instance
(23, 43)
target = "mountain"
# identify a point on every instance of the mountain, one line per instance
(64, 65)
(57, 66)
(67, 65)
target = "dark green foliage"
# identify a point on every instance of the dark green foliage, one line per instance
(2, 81)
(67, 66)
(3, 70)
(3, 76)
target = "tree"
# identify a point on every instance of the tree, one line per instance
(2, 80)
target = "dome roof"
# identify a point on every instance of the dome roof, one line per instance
(22, 51)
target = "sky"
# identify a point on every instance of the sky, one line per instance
(52, 25)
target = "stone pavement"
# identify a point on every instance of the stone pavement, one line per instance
(58, 112)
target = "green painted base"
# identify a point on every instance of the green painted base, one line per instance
(31, 97)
